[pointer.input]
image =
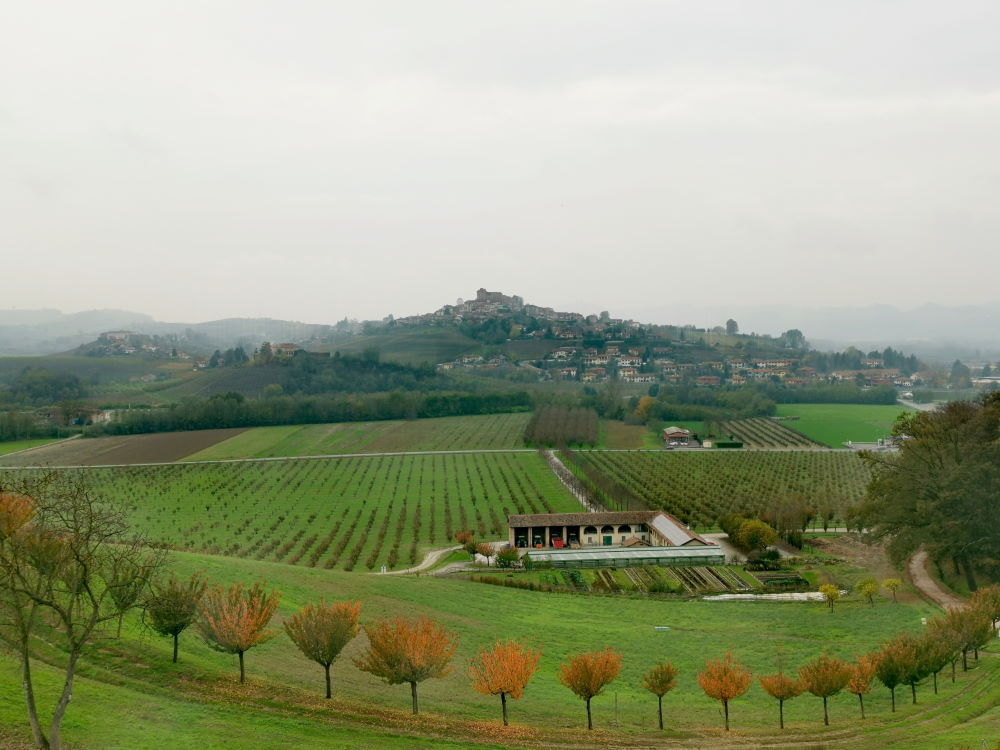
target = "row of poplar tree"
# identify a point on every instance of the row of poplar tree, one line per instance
(402, 650)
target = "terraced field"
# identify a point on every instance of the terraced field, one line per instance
(334, 513)
(480, 432)
(700, 486)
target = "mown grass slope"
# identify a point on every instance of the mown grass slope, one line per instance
(131, 696)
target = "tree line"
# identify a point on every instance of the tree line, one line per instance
(939, 490)
(234, 410)
(562, 425)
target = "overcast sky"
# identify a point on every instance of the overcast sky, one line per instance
(315, 160)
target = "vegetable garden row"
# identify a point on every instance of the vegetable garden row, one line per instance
(647, 579)
(344, 513)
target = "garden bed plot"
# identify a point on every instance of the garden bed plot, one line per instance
(781, 580)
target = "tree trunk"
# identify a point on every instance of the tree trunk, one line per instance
(965, 660)
(953, 669)
(176, 636)
(781, 713)
(503, 707)
(326, 669)
(913, 688)
(242, 672)
(29, 696)
(892, 691)
(861, 699)
(935, 683)
(413, 696)
(970, 579)
(659, 707)
(725, 708)
(590, 721)
(826, 715)
(55, 739)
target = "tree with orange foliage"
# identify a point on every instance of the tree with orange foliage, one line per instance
(401, 650)
(895, 661)
(322, 630)
(589, 673)
(825, 677)
(486, 550)
(724, 679)
(504, 669)
(783, 688)
(660, 680)
(236, 620)
(861, 675)
(463, 536)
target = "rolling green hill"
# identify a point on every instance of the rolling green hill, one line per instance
(412, 346)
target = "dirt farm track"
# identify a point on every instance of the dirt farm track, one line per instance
(124, 449)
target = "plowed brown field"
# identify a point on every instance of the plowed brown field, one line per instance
(122, 449)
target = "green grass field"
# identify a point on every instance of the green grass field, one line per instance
(347, 513)
(481, 432)
(21, 445)
(411, 346)
(835, 424)
(197, 703)
(699, 486)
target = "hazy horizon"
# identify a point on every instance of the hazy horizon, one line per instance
(323, 160)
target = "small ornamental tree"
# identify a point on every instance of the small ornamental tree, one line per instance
(892, 585)
(322, 630)
(504, 669)
(660, 680)
(862, 674)
(867, 588)
(172, 606)
(935, 654)
(830, 594)
(506, 558)
(127, 587)
(894, 663)
(724, 679)
(972, 629)
(589, 673)
(783, 688)
(940, 630)
(486, 550)
(753, 535)
(236, 620)
(411, 651)
(825, 677)
(987, 601)
(463, 536)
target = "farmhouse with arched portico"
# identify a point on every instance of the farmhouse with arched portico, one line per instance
(609, 529)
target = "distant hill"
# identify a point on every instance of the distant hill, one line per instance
(35, 332)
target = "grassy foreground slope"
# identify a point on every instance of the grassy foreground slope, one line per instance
(835, 424)
(477, 432)
(131, 696)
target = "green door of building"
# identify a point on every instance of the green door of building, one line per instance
(607, 541)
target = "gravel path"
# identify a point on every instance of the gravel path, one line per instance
(429, 561)
(917, 568)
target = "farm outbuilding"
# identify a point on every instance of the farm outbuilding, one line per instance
(647, 528)
(620, 557)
